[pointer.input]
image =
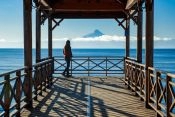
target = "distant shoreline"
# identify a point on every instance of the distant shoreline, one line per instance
(100, 48)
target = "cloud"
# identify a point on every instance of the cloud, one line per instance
(103, 38)
(60, 39)
(156, 38)
(108, 38)
(2, 40)
(104, 41)
(110, 41)
(162, 39)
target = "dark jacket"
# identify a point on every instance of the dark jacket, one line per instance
(67, 51)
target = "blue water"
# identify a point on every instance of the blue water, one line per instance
(11, 59)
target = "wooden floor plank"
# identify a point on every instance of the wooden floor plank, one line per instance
(110, 97)
(69, 97)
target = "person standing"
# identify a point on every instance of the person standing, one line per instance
(67, 56)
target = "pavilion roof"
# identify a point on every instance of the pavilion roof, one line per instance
(85, 8)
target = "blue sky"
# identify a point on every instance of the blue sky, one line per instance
(11, 28)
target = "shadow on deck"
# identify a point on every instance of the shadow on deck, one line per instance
(72, 97)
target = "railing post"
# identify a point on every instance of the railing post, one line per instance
(71, 66)
(88, 66)
(52, 62)
(124, 64)
(40, 79)
(28, 88)
(129, 74)
(50, 74)
(106, 67)
(133, 75)
(158, 75)
(136, 78)
(45, 76)
(147, 96)
(35, 83)
(53, 66)
(142, 69)
(18, 92)
(169, 96)
(7, 96)
(148, 88)
(126, 70)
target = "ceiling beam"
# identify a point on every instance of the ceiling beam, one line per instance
(88, 4)
(83, 15)
(44, 4)
(87, 10)
(130, 3)
(83, 8)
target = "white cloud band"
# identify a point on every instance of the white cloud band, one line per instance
(2, 40)
(107, 38)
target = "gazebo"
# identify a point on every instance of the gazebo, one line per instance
(26, 84)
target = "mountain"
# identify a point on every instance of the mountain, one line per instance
(96, 33)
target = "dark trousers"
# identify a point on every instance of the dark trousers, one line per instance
(67, 66)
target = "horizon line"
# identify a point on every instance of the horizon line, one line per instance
(85, 48)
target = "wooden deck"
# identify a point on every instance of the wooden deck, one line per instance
(88, 96)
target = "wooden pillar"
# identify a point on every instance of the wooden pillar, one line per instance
(50, 46)
(49, 37)
(27, 9)
(139, 33)
(38, 35)
(127, 34)
(149, 44)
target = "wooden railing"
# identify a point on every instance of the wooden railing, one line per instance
(13, 87)
(135, 77)
(91, 65)
(161, 87)
(12, 92)
(42, 76)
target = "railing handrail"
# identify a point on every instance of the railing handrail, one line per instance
(161, 86)
(40, 79)
(131, 58)
(42, 62)
(13, 71)
(171, 75)
(25, 67)
(91, 65)
(158, 70)
(91, 56)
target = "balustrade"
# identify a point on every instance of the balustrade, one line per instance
(161, 87)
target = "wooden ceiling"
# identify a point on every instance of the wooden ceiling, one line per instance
(84, 8)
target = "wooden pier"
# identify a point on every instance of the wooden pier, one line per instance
(108, 97)
(35, 90)
(82, 95)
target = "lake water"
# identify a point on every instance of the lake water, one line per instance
(11, 59)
